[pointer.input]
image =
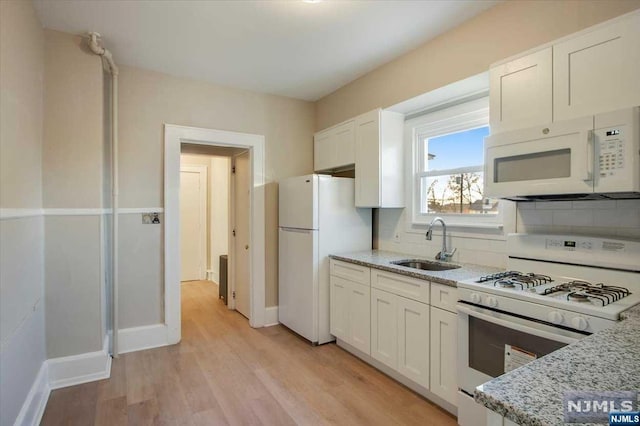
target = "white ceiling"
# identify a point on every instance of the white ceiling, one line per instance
(290, 48)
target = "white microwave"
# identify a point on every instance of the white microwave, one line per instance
(587, 158)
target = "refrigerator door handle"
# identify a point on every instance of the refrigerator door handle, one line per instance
(299, 230)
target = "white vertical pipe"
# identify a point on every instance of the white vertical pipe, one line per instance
(114, 217)
(96, 48)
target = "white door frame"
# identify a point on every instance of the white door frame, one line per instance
(174, 136)
(202, 205)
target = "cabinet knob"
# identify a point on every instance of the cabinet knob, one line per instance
(545, 131)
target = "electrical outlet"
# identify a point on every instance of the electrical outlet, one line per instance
(150, 218)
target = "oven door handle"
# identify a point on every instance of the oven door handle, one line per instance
(516, 326)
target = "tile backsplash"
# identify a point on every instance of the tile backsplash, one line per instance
(595, 217)
(608, 218)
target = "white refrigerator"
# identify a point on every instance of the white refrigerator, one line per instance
(317, 217)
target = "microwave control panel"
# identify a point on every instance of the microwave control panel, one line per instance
(610, 151)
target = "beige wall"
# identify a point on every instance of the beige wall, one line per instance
(73, 163)
(150, 99)
(22, 336)
(73, 124)
(502, 31)
(21, 74)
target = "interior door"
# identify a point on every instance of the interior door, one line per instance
(192, 224)
(242, 209)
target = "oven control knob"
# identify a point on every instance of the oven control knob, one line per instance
(475, 298)
(492, 302)
(556, 317)
(580, 323)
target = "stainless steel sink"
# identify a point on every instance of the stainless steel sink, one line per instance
(426, 265)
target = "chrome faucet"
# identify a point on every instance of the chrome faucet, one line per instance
(444, 255)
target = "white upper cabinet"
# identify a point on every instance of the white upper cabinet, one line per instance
(521, 92)
(597, 71)
(334, 148)
(591, 72)
(379, 159)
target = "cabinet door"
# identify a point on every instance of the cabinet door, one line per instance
(384, 327)
(323, 150)
(521, 92)
(339, 308)
(360, 317)
(367, 128)
(597, 71)
(344, 140)
(413, 340)
(444, 338)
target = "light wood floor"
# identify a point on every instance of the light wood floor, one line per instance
(225, 372)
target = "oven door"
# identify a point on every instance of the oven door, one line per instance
(555, 160)
(483, 335)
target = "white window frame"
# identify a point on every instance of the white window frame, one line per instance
(457, 118)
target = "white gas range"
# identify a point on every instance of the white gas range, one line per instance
(557, 290)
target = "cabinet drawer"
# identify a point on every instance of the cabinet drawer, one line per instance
(411, 288)
(444, 297)
(351, 271)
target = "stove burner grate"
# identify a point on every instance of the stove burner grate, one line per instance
(498, 276)
(583, 291)
(523, 281)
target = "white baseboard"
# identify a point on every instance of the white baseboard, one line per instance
(271, 316)
(77, 369)
(33, 407)
(141, 338)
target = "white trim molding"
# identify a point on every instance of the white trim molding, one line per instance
(19, 213)
(78, 369)
(271, 316)
(141, 338)
(135, 210)
(36, 401)
(174, 136)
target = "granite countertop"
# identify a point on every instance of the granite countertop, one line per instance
(605, 361)
(380, 259)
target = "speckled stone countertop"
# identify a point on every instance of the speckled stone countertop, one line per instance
(380, 259)
(605, 361)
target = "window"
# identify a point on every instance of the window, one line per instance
(448, 166)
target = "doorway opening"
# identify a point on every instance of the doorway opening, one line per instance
(245, 250)
(214, 223)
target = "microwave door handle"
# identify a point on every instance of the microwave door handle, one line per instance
(515, 326)
(588, 176)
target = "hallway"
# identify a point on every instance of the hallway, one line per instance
(224, 372)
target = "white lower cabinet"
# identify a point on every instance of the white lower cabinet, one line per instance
(400, 335)
(339, 307)
(384, 327)
(350, 312)
(444, 341)
(360, 317)
(417, 341)
(413, 340)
